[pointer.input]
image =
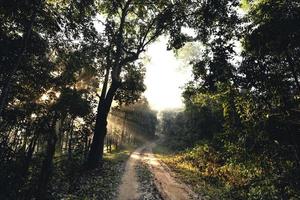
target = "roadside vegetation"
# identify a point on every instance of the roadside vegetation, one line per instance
(206, 171)
(99, 183)
(238, 137)
(223, 159)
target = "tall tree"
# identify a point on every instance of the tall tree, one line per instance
(130, 26)
(271, 53)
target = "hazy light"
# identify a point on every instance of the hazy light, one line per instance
(33, 116)
(99, 21)
(165, 77)
(165, 74)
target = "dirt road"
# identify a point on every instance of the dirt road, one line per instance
(128, 189)
(168, 187)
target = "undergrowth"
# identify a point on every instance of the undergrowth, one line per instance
(214, 176)
(72, 182)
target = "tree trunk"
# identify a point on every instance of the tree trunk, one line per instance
(110, 145)
(70, 140)
(96, 151)
(87, 147)
(47, 166)
(97, 147)
(116, 144)
(106, 144)
(24, 171)
(123, 129)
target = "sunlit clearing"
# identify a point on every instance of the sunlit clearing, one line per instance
(165, 77)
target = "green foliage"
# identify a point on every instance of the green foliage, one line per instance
(40, 69)
(254, 99)
(132, 86)
(71, 102)
(251, 155)
(207, 169)
(201, 120)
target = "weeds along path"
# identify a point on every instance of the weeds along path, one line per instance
(168, 187)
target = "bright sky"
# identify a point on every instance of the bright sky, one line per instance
(165, 77)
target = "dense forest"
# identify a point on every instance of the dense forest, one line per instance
(72, 107)
(241, 118)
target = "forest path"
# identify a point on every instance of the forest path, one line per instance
(128, 189)
(168, 187)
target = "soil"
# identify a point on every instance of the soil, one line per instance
(160, 179)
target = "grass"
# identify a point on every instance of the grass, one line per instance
(212, 177)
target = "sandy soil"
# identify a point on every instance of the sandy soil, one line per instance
(168, 187)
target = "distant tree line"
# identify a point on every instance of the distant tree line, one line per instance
(126, 127)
